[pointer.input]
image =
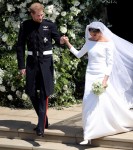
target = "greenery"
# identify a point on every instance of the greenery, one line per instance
(71, 17)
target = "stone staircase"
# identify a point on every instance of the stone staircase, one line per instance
(16, 133)
(27, 140)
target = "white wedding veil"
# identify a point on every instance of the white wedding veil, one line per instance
(121, 76)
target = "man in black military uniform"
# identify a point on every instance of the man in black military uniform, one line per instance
(37, 34)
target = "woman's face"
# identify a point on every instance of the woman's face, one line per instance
(95, 35)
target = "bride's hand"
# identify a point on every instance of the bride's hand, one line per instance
(104, 83)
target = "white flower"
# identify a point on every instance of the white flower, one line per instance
(24, 96)
(10, 97)
(65, 87)
(70, 18)
(76, 3)
(10, 7)
(10, 75)
(18, 93)
(2, 88)
(13, 88)
(1, 1)
(28, 1)
(6, 24)
(63, 13)
(22, 15)
(23, 10)
(1, 73)
(82, 7)
(16, 25)
(9, 82)
(10, 47)
(23, 5)
(56, 58)
(44, 1)
(4, 37)
(54, 16)
(1, 80)
(75, 10)
(72, 34)
(87, 3)
(49, 9)
(55, 12)
(63, 29)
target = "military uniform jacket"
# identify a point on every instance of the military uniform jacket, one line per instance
(37, 37)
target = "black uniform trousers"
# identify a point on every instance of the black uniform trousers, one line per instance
(39, 100)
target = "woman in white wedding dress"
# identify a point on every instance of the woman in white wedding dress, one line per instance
(109, 113)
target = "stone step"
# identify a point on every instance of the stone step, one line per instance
(65, 128)
(18, 144)
(54, 135)
(119, 141)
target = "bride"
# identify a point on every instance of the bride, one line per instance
(110, 62)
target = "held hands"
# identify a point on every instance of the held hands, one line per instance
(64, 39)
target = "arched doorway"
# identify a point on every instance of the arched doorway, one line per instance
(119, 14)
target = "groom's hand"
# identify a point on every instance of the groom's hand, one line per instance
(62, 39)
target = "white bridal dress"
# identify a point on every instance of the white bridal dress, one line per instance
(107, 114)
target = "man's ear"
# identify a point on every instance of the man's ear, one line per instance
(31, 14)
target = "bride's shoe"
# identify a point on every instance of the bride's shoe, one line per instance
(85, 142)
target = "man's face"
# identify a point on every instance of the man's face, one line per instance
(38, 16)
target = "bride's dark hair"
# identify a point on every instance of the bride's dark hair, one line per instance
(94, 30)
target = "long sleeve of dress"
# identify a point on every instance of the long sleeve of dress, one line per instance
(109, 60)
(79, 53)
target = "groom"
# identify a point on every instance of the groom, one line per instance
(37, 34)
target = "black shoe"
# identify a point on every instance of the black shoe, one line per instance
(35, 128)
(39, 133)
